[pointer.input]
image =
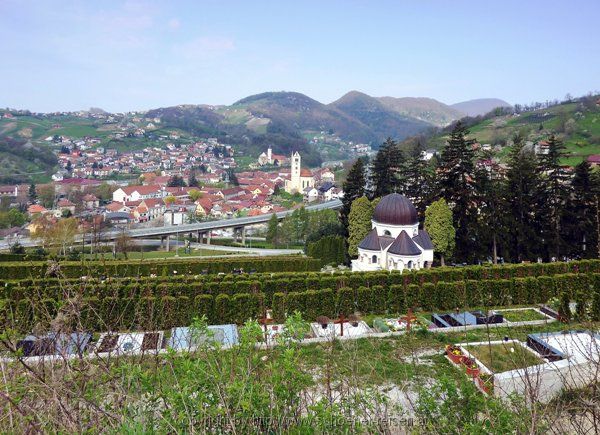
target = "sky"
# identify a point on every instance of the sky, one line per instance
(138, 55)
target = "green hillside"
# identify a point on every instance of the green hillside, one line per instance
(577, 124)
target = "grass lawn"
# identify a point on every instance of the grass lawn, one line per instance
(136, 255)
(523, 315)
(501, 357)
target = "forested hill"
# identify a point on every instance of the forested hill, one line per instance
(576, 123)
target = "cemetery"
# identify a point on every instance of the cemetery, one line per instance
(542, 366)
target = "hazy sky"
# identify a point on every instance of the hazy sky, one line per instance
(127, 55)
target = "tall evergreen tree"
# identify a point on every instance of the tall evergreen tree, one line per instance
(353, 187)
(491, 216)
(580, 217)
(418, 179)
(385, 169)
(32, 193)
(193, 181)
(233, 178)
(456, 183)
(273, 230)
(520, 190)
(552, 194)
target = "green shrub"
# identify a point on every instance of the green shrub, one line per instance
(345, 302)
(204, 305)
(223, 309)
(395, 300)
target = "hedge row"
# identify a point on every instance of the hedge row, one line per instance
(73, 269)
(122, 311)
(111, 313)
(397, 298)
(266, 283)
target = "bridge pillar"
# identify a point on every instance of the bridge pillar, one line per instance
(243, 231)
(168, 243)
(199, 236)
(162, 242)
(208, 238)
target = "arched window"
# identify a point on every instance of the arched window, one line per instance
(387, 233)
(409, 264)
(374, 259)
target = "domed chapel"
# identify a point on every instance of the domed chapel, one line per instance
(395, 241)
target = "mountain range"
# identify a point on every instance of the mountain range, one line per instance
(285, 120)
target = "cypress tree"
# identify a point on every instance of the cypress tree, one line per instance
(456, 183)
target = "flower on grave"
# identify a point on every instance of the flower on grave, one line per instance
(470, 363)
(264, 358)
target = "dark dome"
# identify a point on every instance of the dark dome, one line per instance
(395, 209)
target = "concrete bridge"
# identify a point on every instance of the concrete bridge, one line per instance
(203, 229)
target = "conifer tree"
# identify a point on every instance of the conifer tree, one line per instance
(353, 187)
(193, 181)
(417, 176)
(32, 193)
(551, 196)
(456, 183)
(385, 169)
(272, 230)
(520, 189)
(580, 215)
(492, 207)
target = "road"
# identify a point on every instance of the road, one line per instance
(257, 251)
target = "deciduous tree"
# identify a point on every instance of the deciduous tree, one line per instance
(359, 223)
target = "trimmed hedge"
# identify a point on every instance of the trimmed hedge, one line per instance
(176, 300)
(38, 269)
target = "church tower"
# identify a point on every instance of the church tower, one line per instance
(270, 155)
(294, 184)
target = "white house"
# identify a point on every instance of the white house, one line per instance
(310, 194)
(395, 241)
(137, 193)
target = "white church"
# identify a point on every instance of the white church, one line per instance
(395, 241)
(300, 178)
